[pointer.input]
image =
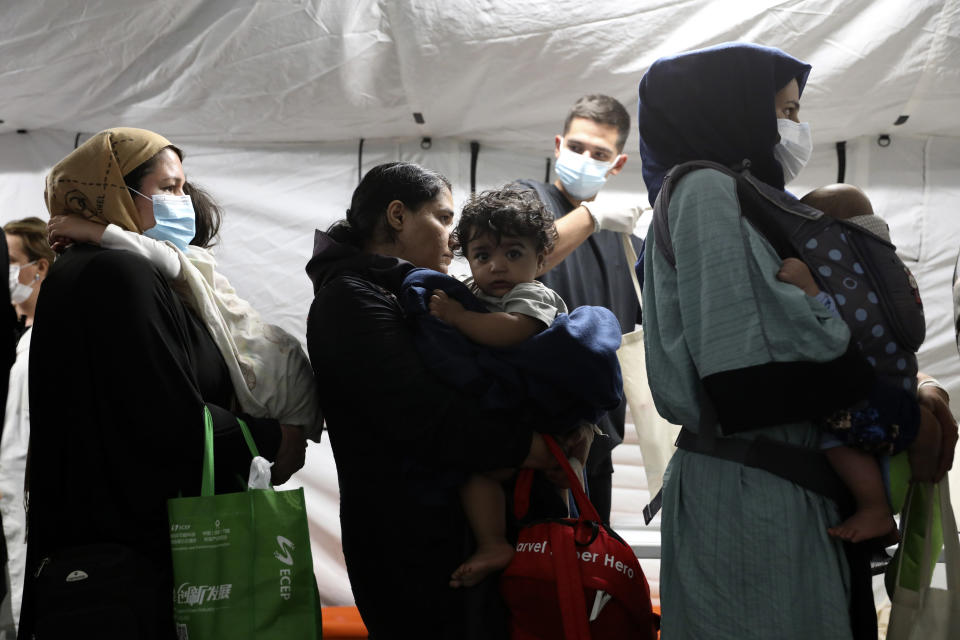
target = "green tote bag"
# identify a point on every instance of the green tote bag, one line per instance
(242, 566)
(918, 610)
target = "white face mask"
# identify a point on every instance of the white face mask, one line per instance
(794, 149)
(19, 292)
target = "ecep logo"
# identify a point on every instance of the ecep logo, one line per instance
(283, 555)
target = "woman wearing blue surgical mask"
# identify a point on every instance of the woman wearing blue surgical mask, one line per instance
(733, 350)
(165, 212)
(271, 374)
(135, 367)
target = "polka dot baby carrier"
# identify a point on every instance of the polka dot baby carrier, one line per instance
(875, 292)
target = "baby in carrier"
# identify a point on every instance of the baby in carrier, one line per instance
(860, 471)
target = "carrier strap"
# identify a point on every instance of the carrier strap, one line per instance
(807, 468)
(651, 510)
(803, 466)
(756, 199)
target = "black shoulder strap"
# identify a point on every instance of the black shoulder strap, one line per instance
(777, 215)
(661, 225)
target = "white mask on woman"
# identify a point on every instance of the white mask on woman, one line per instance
(794, 149)
(19, 292)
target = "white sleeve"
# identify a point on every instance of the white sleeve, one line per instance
(163, 256)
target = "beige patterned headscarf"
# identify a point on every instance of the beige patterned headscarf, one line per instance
(89, 181)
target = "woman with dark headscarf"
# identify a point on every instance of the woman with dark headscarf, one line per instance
(124, 371)
(746, 553)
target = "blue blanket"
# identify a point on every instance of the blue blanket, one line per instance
(569, 371)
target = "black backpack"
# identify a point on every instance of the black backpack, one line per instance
(876, 294)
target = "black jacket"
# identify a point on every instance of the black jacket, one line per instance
(390, 422)
(119, 373)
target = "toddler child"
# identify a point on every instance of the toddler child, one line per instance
(505, 236)
(860, 471)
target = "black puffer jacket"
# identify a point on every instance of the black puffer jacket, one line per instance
(390, 421)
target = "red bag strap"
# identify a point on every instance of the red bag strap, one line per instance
(521, 491)
(584, 506)
(570, 596)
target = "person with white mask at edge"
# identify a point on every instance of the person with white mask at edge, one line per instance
(588, 153)
(30, 260)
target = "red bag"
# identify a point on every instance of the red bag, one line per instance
(574, 578)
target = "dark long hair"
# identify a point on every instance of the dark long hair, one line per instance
(407, 182)
(207, 213)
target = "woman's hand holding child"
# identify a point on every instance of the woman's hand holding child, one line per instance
(444, 307)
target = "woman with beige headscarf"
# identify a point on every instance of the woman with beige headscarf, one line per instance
(117, 424)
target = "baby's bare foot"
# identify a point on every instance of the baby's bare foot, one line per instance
(487, 559)
(866, 524)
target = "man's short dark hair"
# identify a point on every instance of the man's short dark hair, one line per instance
(602, 110)
(506, 212)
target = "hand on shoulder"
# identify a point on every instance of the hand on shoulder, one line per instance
(63, 230)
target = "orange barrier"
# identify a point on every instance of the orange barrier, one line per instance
(341, 623)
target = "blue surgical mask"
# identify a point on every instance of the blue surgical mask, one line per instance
(176, 220)
(581, 176)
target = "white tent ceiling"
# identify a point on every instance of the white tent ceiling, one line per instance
(499, 71)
